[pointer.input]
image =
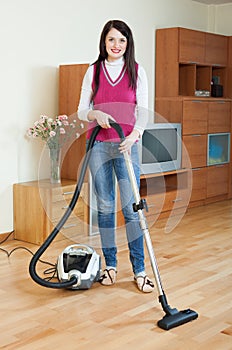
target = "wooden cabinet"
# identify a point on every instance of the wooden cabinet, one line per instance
(216, 49)
(187, 40)
(195, 117)
(199, 180)
(165, 192)
(219, 117)
(202, 48)
(168, 110)
(191, 60)
(196, 146)
(167, 79)
(38, 207)
(217, 180)
(70, 81)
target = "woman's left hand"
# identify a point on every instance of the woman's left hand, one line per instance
(126, 144)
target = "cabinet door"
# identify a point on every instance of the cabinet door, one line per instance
(198, 184)
(219, 117)
(216, 49)
(166, 65)
(191, 46)
(195, 117)
(217, 180)
(230, 51)
(168, 110)
(196, 146)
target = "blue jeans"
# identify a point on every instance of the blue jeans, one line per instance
(105, 161)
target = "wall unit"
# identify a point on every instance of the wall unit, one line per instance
(191, 60)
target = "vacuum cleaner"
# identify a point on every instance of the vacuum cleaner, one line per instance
(79, 266)
(81, 262)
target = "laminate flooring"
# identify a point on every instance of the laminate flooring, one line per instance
(195, 263)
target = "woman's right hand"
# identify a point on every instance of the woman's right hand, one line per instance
(103, 119)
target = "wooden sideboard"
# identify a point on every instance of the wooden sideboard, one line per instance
(39, 205)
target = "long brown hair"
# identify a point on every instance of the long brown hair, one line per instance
(129, 54)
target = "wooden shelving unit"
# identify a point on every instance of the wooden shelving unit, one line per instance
(191, 60)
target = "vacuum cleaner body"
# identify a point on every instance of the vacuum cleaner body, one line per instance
(79, 261)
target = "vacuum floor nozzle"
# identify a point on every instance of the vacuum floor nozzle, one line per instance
(179, 318)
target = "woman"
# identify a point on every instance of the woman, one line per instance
(115, 88)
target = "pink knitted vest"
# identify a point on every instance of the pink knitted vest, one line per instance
(117, 99)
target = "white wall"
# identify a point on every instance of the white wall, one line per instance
(223, 19)
(38, 36)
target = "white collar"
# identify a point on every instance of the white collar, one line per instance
(119, 62)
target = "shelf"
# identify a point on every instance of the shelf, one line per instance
(187, 79)
(167, 173)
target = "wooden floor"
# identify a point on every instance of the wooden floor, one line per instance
(195, 262)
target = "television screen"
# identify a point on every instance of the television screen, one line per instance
(218, 148)
(160, 149)
(159, 145)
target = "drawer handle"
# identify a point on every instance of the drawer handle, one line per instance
(177, 200)
(196, 135)
(219, 165)
(66, 193)
(68, 226)
(65, 207)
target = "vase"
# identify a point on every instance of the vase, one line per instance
(55, 160)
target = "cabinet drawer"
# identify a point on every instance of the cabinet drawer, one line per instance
(195, 117)
(196, 146)
(168, 201)
(198, 184)
(60, 193)
(73, 228)
(217, 180)
(155, 204)
(219, 117)
(58, 209)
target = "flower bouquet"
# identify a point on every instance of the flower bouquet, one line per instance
(55, 132)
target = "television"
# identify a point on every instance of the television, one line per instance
(218, 148)
(160, 148)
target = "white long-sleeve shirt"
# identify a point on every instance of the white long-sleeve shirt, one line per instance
(114, 69)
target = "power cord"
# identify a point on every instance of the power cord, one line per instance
(51, 270)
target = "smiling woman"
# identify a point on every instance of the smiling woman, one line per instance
(115, 88)
(116, 44)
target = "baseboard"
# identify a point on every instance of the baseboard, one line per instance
(8, 236)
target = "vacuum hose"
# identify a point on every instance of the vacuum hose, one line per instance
(53, 234)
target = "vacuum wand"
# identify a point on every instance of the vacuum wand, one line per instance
(173, 317)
